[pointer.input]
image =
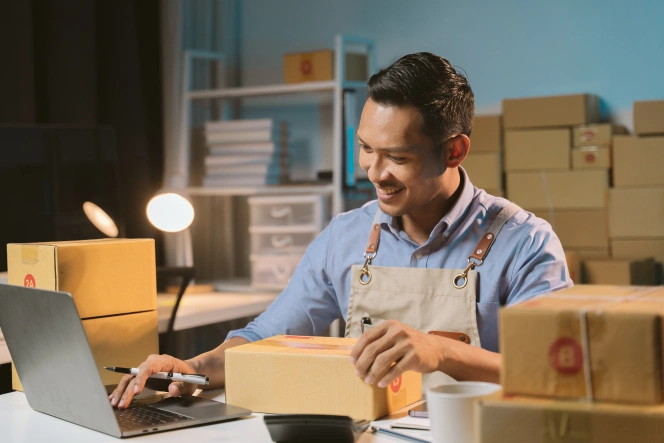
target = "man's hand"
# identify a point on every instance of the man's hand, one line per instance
(386, 351)
(131, 385)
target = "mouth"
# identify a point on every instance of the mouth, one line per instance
(388, 192)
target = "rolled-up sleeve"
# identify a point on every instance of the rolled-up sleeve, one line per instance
(308, 304)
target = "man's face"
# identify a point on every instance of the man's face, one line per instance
(400, 160)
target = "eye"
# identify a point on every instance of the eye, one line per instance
(365, 148)
(395, 159)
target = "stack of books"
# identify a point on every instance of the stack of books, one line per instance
(245, 153)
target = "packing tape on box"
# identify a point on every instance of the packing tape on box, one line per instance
(585, 348)
(566, 426)
(29, 254)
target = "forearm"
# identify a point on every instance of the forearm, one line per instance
(211, 363)
(464, 362)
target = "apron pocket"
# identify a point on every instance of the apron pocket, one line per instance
(487, 324)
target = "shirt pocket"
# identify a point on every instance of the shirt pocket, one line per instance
(487, 325)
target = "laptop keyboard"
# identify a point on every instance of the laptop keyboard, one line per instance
(144, 416)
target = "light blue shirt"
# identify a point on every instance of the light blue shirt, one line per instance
(525, 260)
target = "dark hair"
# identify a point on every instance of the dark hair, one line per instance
(431, 85)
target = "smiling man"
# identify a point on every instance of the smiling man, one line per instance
(404, 271)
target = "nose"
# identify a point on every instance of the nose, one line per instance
(374, 166)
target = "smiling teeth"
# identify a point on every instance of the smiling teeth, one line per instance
(385, 192)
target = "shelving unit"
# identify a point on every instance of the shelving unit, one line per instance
(335, 87)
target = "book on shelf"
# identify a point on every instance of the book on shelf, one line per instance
(238, 125)
(241, 148)
(249, 169)
(242, 180)
(261, 135)
(239, 159)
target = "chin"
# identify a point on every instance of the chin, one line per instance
(391, 210)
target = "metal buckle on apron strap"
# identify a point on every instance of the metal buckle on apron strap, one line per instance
(370, 253)
(464, 275)
(365, 272)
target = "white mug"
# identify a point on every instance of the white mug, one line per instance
(452, 410)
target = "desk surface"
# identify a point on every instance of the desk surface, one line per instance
(198, 310)
(20, 424)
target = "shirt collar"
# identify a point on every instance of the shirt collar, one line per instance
(450, 219)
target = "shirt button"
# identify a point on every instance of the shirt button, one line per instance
(418, 255)
(446, 234)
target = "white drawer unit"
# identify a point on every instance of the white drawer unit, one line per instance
(292, 210)
(281, 242)
(272, 271)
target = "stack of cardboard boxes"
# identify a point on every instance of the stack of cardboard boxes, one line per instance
(485, 159)
(582, 364)
(113, 284)
(636, 204)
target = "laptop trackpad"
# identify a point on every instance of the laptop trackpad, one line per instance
(199, 407)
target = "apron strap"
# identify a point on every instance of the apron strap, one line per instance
(374, 237)
(482, 248)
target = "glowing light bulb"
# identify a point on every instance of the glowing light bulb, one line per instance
(170, 212)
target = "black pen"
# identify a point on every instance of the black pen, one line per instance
(196, 379)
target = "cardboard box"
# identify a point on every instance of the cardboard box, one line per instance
(579, 229)
(573, 260)
(514, 419)
(590, 253)
(484, 170)
(649, 117)
(639, 161)
(319, 66)
(620, 272)
(119, 340)
(495, 192)
(310, 375)
(591, 157)
(487, 134)
(595, 135)
(558, 190)
(552, 111)
(636, 212)
(543, 344)
(105, 277)
(537, 149)
(638, 248)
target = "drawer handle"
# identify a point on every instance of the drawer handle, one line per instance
(281, 271)
(281, 241)
(280, 211)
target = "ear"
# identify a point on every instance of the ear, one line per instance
(456, 150)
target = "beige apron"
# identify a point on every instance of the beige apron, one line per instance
(441, 301)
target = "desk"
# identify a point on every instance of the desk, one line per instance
(20, 424)
(198, 310)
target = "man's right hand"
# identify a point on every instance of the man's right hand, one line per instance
(131, 385)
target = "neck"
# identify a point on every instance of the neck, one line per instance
(419, 223)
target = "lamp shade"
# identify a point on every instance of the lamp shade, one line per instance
(170, 211)
(100, 219)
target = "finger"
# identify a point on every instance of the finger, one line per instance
(145, 370)
(120, 389)
(369, 355)
(365, 339)
(395, 372)
(384, 362)
(127, 396)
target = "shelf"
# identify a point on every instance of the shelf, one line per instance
(262, 190)
(255, 91)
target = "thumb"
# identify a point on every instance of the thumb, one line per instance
(177, 389)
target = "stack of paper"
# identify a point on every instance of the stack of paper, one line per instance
(412, 429)
(245, 153)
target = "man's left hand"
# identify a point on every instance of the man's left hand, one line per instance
(389, 349)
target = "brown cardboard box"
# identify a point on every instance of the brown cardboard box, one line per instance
(552, 111)
(636, 212)
(547, 351)
(119, 340)
(495, 192)
(639, 161)
(638, 248)
(487, 134)
(319, 66)
(559, 190)
(649, 117)
(591, 157)
(620, 272)
(579, 229)
(310, 375)
(105, 277)
(595, 135)
(484, 170)
(514, 419)
(573, 266)
(537, 149)
(590, 253)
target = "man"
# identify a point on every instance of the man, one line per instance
(414, 281)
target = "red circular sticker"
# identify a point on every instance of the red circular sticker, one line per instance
(590, 157)
(396, 385)
(29, 281)
(566, 356)
(306, 67)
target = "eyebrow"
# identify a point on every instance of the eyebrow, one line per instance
(393, 150)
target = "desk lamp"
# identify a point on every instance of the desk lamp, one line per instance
(171, 211)
(100, 219)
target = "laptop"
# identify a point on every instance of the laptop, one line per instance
(49, 347)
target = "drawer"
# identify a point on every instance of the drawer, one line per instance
(285, 241)
(272, 271)
(288, 210)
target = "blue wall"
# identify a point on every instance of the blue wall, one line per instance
(508, 48)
